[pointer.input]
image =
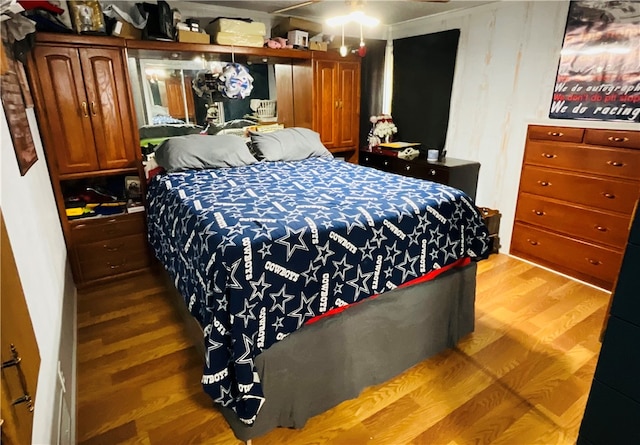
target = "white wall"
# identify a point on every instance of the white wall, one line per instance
(505, 73)
(36, 237)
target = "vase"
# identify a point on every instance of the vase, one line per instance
(372, 139)
(387, 138)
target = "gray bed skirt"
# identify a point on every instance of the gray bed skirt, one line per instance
(334, 359)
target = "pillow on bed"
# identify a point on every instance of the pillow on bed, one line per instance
(196, 151)
(289, 144)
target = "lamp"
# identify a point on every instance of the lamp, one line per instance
(357, 17)
(353, 16)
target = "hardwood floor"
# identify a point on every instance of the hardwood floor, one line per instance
(522, 377)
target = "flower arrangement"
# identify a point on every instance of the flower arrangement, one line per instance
(383, 126)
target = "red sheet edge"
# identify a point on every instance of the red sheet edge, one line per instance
(426, 277)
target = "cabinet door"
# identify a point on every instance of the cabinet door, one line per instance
(69, 129)
(176, 99)
(109, 107)
(347, 118)
(326, 98)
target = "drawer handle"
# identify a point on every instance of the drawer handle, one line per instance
(601, 228)
(116, 266)
(555, 134)
(532, 242)
(594, 262)
(609, 195)
(615, 163)
(113, 248)
(407, 167)
(539, 212)
(544, 183)
(366, 159)
(617, 139)
(432, 172)
(386, 163)
(548, 155)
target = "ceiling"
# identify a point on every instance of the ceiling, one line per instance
(388, 12)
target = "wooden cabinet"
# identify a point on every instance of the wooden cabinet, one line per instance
(89, 132)
(613, 408)
(178, 98)
(578, 189)
(336, 103)
(457, 173)
(88, 113)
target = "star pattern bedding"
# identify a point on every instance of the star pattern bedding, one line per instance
(257, 251)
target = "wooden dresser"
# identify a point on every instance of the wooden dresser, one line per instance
(457, 173)
(578, 189)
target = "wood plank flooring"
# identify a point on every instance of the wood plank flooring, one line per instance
(522, 377)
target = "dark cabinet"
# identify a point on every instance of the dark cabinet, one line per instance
(613, 408)
(456, 173)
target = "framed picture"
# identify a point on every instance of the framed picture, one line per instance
(132, 187)
(86, 17)
(599, 71)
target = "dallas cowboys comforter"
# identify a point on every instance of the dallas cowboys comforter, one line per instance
(256, 251)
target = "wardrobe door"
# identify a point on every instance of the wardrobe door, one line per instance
(348, 115)
(109, 107)
(326, 102)
(67, 119)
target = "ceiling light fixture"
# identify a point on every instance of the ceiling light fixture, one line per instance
(354, 16)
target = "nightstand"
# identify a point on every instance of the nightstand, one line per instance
(456, 173)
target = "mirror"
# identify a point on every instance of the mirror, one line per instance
(179, 92)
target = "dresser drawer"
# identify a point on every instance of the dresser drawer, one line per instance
(111, 257)
(608, 194)
(106, 228)
(566, 254)
(422, 171)
(619, 163)
(613, 138)
(376, 161)
(581, 222)
(563, 134)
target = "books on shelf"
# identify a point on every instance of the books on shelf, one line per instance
(398, 145)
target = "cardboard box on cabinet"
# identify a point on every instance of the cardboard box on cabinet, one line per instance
(318, 46)
(233, 26)
(193, 37)
(126, 30)
(293, 23)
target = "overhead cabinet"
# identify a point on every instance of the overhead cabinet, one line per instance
(88, 113)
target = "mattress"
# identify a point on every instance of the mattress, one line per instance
(257, 251)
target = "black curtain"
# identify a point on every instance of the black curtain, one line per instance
(423, 68)
(371, 85)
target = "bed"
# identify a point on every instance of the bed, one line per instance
(310, 278)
